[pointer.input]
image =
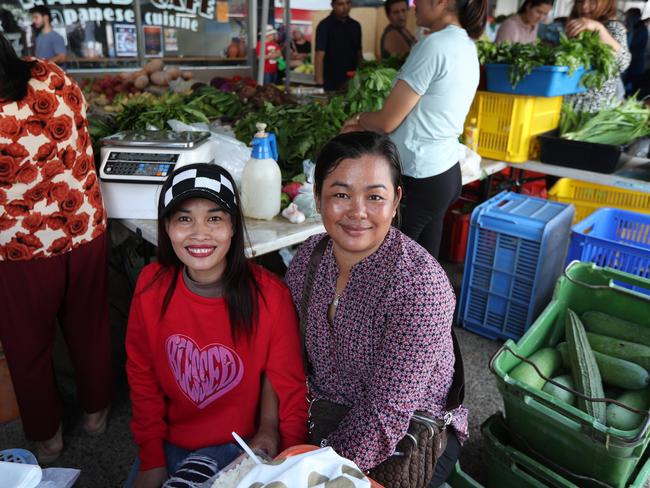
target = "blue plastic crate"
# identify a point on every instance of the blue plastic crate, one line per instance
(515, 253)
(544, 81)
(614, 238)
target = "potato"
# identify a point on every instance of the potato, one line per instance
(187, 75)
(173, 73)
(154, 66)
(160, 78)
(141, 82)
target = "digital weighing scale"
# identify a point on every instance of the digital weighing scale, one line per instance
(135, 164)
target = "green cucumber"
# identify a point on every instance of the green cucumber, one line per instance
(618, 348)
(584, 368)
(601, 323)
(622, 418)
(548, 361)
(614, 371)
(561, 393)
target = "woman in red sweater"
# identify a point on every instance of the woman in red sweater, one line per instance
(212, 339)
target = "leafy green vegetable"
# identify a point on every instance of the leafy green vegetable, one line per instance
(619, 125)
(368, 89)
(584, 50)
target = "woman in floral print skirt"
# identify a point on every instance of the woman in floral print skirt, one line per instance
(378, 326)
(53, 248)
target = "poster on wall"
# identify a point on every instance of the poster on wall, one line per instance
(222, 12)
(171, 40)
(126, 42)
(153, 41)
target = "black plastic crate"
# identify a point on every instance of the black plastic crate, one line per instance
(601, 158)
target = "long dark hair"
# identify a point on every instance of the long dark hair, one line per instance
(533, 3)
(354, 145)
(240, 286)
(605, 10)
(472, 15)
(15, 73)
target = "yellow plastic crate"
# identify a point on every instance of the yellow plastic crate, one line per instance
(507, 124)
(589, 197)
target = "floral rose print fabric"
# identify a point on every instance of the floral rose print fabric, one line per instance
(50, 200)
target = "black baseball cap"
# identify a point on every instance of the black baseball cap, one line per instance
(200, 180)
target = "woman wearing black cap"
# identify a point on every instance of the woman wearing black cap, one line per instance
(206, 327)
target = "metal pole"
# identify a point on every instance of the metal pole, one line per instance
(252, 34)
(140, 30)
(262, 57)
(287, 44)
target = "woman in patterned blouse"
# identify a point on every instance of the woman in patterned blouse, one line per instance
(53, 248)
(378, 328)
(600, 16)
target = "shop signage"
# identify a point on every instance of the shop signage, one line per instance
(180, 14)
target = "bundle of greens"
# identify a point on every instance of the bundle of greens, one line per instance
(368, 89)
(618, 125)
(586, 50)
(301, 130)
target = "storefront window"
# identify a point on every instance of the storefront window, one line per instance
(104, 33)
(196, 30)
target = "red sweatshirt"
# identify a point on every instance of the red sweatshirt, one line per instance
(191, 385)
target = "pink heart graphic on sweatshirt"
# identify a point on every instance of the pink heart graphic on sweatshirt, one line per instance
(203, 374)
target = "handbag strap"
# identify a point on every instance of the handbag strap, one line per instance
(314, 262)
(456, 393)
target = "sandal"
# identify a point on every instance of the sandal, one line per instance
(48, 451)
(95, 423)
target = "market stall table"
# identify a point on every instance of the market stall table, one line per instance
(264, 235)
(633, 175)
(268, 236)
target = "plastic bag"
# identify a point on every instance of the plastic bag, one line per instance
(470, 162)
(229, 153)
(305, 200)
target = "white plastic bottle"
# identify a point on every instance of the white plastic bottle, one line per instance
(261, 181)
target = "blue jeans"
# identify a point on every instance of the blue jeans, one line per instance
(222, 455)
(270, 78)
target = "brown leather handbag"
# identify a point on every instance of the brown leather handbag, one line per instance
(413, 463)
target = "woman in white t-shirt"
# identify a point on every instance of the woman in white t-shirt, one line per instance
(425, 112)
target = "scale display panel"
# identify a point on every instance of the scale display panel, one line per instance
(140, 164)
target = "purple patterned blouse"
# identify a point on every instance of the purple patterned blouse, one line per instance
(389, 349)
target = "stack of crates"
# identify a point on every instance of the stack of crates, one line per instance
(552, 440)
(515, 253)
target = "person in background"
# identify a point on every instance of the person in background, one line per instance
(300, 48)
(53, 249)
(338, 46)
(378, 342)
(212, 339)
(637, 41)
(49, 44)
(396, 40)
(425, 112)
(600, 16)
(522, 27)
(273, 53)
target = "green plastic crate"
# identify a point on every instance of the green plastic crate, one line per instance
(562, 433)
(511, 468)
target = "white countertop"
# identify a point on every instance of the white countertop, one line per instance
(633, 175)
(270, 235)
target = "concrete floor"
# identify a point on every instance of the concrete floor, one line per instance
(105, 461)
